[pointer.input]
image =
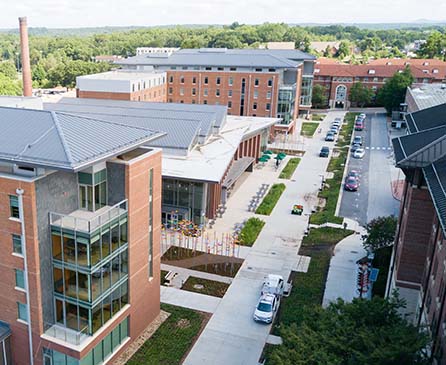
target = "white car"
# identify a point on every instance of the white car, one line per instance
(266, 308)
(273, 284)
(359, 153)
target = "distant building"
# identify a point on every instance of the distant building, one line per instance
(155, 50)
(26, 102)
(123, 85)
(418, 264)
(250, 82)
(322, 47)
(80, 203)
(107, 58)
(337, 78)
(280, 45)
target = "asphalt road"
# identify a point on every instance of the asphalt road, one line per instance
(374, 196)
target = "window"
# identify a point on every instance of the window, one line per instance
(17, 244)
(14, 206)
(184, 67)
(21, 312)
(268, 94)
(194, 91)
(230, 81)
(170, 90)
(256, 94)
(19, 279)
(375, 79)
(182, 80)
(208, 68)
(205, 92)
(194, 80)
(205, 102)
(271, 70)
(220, 68)
(233, 69)
(193, 101)
(258, 70)
(230, 93)
(170, 100)
(218, 81)
(206, 80)
(181, 91)
(217, 92)
(268, 106)
(254, 106)
(256, 82)
(270, 82)
(229, 104)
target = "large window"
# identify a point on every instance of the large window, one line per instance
(22, 313)
(17, 244)
(14, 206)
(92, 190)
(19, 279)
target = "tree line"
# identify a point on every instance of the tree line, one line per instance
(57, 60)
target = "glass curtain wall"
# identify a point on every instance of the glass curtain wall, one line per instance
(92, 190)
(306, 90)
(285, 105)
(186, 196)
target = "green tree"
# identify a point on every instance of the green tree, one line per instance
(362, 332)
(392, 94)
(8, 69)
(380, 233)
(319, 99)
(344, 49)
(435, 46)
(9, 87)
(360, 94)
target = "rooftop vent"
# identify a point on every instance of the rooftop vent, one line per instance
(388, 63)
(371, 72)
(443, 86)
(425, 63)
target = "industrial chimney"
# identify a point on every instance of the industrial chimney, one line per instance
(26, 67)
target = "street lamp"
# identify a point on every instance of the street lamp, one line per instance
(322, 182)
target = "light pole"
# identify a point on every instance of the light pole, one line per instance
(322, 182)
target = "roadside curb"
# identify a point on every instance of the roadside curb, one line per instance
(341, 190)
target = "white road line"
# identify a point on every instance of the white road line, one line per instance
(367, 148)
(378, 148)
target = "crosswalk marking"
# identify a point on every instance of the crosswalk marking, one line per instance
(378, 148)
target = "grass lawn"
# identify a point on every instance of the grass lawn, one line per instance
(381, 262)
(336, 165)
(251, 231)
(173, 339)
(210, 287)
(289, 169)
(318, 117)
(308, 128)
(327, 235)
(271, 199)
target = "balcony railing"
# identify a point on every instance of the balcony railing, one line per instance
(86, 221)
(72, 337)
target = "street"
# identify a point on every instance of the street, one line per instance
(374, 196)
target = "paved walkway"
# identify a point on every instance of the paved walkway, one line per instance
(188, 299)
(231, 336)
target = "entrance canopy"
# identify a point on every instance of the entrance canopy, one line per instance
(236, 170)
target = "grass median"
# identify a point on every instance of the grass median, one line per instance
(289, 169)
(271, 199)
(325, 235)
(308, 129)
(251, 231)
(205, 286)
(175, 337)
(336, 165)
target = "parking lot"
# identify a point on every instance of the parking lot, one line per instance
(374, 196)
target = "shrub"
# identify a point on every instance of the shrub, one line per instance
(251, 231)
(271, 199)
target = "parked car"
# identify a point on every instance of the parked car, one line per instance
(334, 130)
(337, 119)
(357, 140)
(362, 115)
(353, 173)
(359, 153)
(336, 123)
(354, 147)
(325, 151)
(330, 137)
(359, 126)
(266, 308)
(351, 183)
(273, 284)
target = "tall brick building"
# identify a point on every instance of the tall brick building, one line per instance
(80, 204)
(418, 267)
(250, 82)
(338, 78)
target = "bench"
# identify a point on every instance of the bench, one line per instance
(169, 277)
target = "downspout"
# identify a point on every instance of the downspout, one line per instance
(20, 192)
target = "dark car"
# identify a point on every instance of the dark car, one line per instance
(325, 151)
(355, 147)
(351, 183)
(357, 140)
(354, 174)
(330, 137)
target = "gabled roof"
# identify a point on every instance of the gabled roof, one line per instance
(273, 58)
(64, 141)
(424, 147)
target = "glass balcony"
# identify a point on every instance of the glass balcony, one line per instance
(87, 221)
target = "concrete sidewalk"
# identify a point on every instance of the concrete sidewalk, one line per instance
(231, 336)
(187, 299)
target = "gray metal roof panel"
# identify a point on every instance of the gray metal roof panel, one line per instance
(63, 141)
(429, 118)
(435, 176)
(224, 57)
(412, 143)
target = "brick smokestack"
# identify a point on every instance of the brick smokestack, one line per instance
(26, 67)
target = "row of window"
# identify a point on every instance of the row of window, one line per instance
(142, 85)
(209, 68)
(229, 104)
(218, 81)
(218, 93)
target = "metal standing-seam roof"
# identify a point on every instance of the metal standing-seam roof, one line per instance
(223, 57)
(64, 141)
(182, 123)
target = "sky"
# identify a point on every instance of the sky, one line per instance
(93, 13)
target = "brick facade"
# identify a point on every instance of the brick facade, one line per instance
(153, 94)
